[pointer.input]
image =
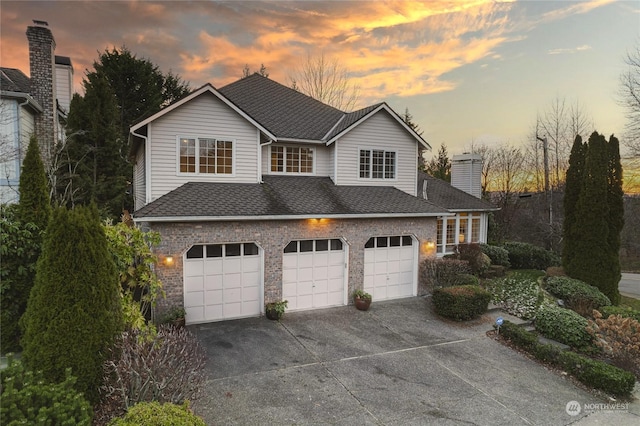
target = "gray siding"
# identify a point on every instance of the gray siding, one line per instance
(204, 116)
(139, 184)
(378, 132)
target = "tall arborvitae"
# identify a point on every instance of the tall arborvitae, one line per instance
(74, 312)
(592, 261)
(573, 186)
(34, 205)
(615, 200)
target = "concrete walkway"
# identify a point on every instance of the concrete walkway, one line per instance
(394, 364)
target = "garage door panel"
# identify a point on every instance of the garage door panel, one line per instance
(314, 279)
(232, 285)
(389, 269)
(393, 254)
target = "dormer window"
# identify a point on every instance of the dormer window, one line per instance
(205, 156)
(377, 164)
(290, 159)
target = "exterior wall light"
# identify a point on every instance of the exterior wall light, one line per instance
(167, 261)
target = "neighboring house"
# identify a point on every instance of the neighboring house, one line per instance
(261, 193)
(36, 105)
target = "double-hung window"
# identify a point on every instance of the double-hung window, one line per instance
(206, 156)
(289, 159)
(377, 164)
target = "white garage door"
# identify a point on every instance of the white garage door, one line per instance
(313, 274)
(222, 281)
(390, 267)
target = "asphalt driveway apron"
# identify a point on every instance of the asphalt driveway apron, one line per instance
(394, 364)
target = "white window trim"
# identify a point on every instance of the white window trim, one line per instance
(284, 171)
(371, 178)
(197, 172)
(441, 246)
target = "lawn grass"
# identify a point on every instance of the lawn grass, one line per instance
(630, 302)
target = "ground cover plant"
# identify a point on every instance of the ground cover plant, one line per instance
(565, 326)
(577, 295)
(518, 293)
(156, 414)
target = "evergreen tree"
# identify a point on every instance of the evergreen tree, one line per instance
(592, 261)
(21, 231)
(573, 186)
(121, 90)
(615, 200)
(34, 206)
(408, 118)
(440, 166)
(74, 312)
(96, 158)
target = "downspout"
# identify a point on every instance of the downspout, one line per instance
(260, 159)
(147, 183)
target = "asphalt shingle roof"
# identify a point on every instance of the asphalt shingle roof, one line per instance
(283, 111)
(351, 118)
(14, 80)
(443, 194)
(285, 196)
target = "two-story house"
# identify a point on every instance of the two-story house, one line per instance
(261, 193)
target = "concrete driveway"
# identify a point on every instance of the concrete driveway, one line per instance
(394, 364)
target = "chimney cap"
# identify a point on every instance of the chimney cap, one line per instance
(41, 23)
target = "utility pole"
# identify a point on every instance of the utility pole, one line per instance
(547, 193)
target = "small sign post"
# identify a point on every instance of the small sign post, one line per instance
(499, 322)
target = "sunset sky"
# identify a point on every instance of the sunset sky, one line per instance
(467, 70)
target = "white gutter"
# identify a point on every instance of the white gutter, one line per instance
(284, 217)
(147, 162)
(260, 157)
(28, 99)
(313, 141)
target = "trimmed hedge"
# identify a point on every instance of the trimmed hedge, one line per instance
(564, 325)
(156, 414)
(596, 374)
(579, 296)
(528, 256)
(28, 399)
(625, 312)
(478, 261)
(498, 255)
(466, 279)
(461, 303)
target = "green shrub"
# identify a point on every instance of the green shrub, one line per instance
(478, 261)
(528, 256)
(156, 414)
(466, 279)
(442, 272)
(597, 374)
(518, 335)
(579, 296)
(74, 312)
(564, 325)
(498, 255)
(28, 399)
(461, 302)
(625, 312)
(518, 293)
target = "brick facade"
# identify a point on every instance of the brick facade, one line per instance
(273, 236)
(42, 68)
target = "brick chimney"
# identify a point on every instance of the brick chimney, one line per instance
(42, 69)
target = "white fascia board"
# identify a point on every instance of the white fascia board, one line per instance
(284, 217)
(294, 140)
(206, 88)
(490, 209)
(373, 112)
(20, 95)
(324, 138)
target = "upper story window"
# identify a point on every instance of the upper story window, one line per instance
(288, 159)
(377, 164)
(206, 156)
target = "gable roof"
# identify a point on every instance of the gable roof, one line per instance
(207, 88)
(444, 194)
(287, 113)
(14, 80)
(283, 197)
